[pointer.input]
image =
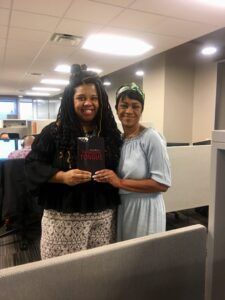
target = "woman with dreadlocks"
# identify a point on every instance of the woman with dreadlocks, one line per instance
(144, 170)
(79, 213)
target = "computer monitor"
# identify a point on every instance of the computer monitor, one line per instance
(6, 147)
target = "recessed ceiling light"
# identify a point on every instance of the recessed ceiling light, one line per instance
(115, 44)
(20, 96)
(63, 68)
(46, 89)
(98, 71)
(37, 94)
(55, 81)
(208, 50)
(106, 83)
(140, 73)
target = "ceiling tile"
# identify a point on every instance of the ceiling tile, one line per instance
(2, 43)
(18, 53)
(1, 61)
(157, 41)
(27, 35)
(33, 21)
(83, 57)
(191, 10)
(3, 32)
(136, 20)
(17, 60)
(74, 27)
(50, 57)
(92, 12)
(123, 3)
(51, 8)
(4, 16)
(5, 3)
(179, 28)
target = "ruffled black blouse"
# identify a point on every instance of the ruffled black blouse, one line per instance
(44, 161)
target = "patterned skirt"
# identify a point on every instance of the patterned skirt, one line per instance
(64, 233)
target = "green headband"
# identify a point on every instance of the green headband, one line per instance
(130, 87)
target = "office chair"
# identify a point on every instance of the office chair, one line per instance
(13, 136)
(15, 203)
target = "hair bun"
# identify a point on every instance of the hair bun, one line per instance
(75, 68)
(83, 67)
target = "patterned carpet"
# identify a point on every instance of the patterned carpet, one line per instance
(11, 253)
(15, 250)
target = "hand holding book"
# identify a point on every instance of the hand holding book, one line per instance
(108, 176)
(90, 154)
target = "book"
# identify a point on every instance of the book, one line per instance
(90, 154)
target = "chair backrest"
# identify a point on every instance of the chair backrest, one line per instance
(169, 265)
(14, 198)
(13, 135)
(14, 192)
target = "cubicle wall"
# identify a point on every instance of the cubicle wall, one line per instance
(215, 275)
(190, 177)
(161, 266)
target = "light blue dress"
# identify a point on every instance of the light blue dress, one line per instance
(144, 156)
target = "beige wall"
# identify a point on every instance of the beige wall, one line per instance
(179, 83)
(204, 101)
(180, 95)
(119, 78)
(154, 88)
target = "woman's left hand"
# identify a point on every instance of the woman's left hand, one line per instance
(108, 176)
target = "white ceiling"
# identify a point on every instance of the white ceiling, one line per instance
(26, 27)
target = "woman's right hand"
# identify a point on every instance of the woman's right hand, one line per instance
(76, 176)
(71, 177)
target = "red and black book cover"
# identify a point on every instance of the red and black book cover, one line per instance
(90, 154)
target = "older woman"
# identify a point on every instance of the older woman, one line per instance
(79, 213)
(144, 170)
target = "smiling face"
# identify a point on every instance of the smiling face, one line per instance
(86, 103)
(129, 112)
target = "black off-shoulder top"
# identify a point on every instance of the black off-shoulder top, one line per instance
(44, 161)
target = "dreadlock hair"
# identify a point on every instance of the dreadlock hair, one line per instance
(69, 124)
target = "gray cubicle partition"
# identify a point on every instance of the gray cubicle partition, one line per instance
(215, 275)
(162, 266)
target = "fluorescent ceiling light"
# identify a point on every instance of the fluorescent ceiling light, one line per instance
(63, 68)
(215, 2)
(20, 96)
(208, 50)
(37, 94)
(55, 81)
(98, 71)
(139, 73)
(67, 68)
(46, 89)
(115, 44)
(106, 83)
